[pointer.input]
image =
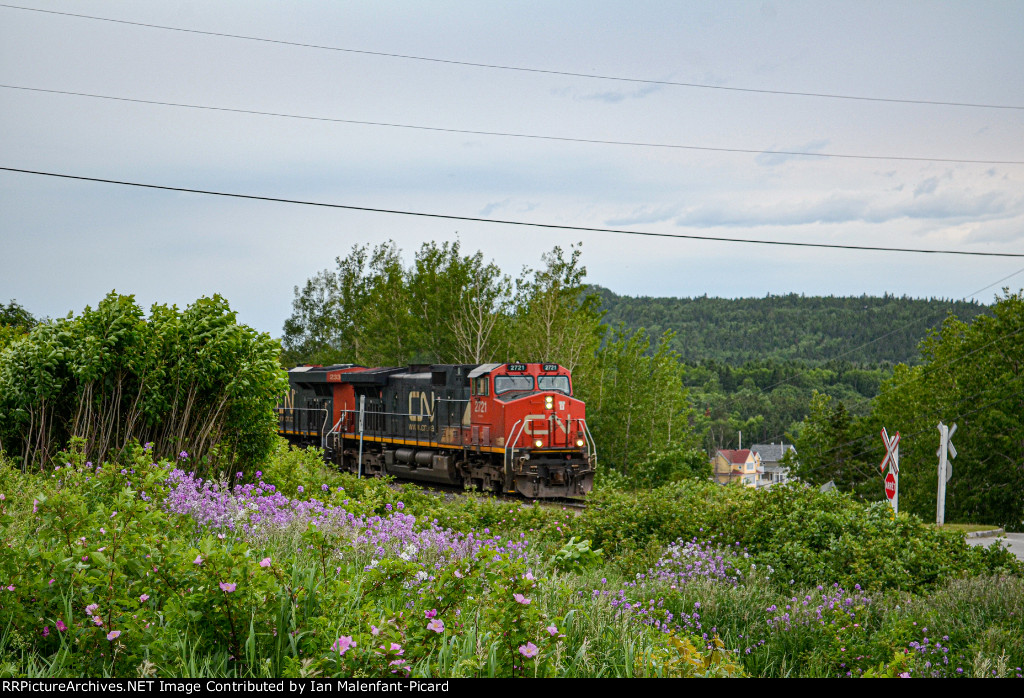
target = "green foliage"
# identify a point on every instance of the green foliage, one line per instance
(971, 376)
(802, 534)
(445, 308)
(674, 657)
(192, 377)
(672, 465)
(639, 406)
(808, 329)
(576, 555)
(90, 543)
(825, 446)
(15, 322)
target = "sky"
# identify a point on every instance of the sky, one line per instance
(65, 243)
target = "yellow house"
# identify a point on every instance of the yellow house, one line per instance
(730, 465)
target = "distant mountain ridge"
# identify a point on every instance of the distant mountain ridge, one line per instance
(812, 329)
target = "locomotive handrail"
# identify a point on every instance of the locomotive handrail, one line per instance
(334, 430)
(282, 413)
(511, 444)
(591, 444)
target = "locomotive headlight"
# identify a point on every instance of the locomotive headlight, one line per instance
(538, 443)
(579, 443)
(549, 402)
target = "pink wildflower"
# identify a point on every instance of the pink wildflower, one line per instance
(521, 599)
(432, 613)
(342, 644)
(529, 650)
(227, 586)
(46, 630)
(97, 620)
(437, 625)
(60, 626)
(552, 630)
(113, 635)
(143, 598)
(374, 630)
(265, 562)
(91, 608)
(198, 560)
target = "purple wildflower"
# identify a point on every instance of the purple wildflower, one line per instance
(529, 650)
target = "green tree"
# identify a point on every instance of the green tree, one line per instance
(15, 322)
(193, 381)
(640, 406)
(556, 318)
(972, 375)
(826, 447)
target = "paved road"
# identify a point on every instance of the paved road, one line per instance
(1013, 541)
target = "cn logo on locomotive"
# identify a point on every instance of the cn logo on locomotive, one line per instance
(534, 419)
(420, 406)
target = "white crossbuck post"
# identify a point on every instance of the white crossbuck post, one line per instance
(945, 468)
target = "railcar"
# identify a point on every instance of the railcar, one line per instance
(511, 427)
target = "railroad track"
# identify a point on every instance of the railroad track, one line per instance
(457, 491)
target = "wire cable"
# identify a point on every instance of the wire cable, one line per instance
(521, 69)
(509, 134)
(500, 221)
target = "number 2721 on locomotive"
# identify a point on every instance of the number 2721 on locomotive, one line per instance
(499, 427)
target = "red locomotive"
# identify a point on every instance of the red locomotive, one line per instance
(499, 427)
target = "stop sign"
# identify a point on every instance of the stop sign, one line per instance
(890, 485)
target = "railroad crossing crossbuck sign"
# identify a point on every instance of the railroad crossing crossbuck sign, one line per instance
(892, 459)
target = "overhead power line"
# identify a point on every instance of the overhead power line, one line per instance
(520, 69)
(500, 221)
(507, 134)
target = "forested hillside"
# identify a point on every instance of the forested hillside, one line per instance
(865, 329)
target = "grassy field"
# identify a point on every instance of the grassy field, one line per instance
(138, 568)
(966, 528)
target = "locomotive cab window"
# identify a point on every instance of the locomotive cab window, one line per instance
(480, 386)
(559, 384)
(507, 384)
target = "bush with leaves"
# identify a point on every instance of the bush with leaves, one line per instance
(192, 379)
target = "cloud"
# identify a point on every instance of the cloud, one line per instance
(857, 207)
(773, 159)
(520, 207)
(928, 186)
(609, 96)
(645, 215)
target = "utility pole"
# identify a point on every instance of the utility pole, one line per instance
(945, 468)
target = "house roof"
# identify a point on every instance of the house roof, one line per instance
(734, 455)
(771, 452)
